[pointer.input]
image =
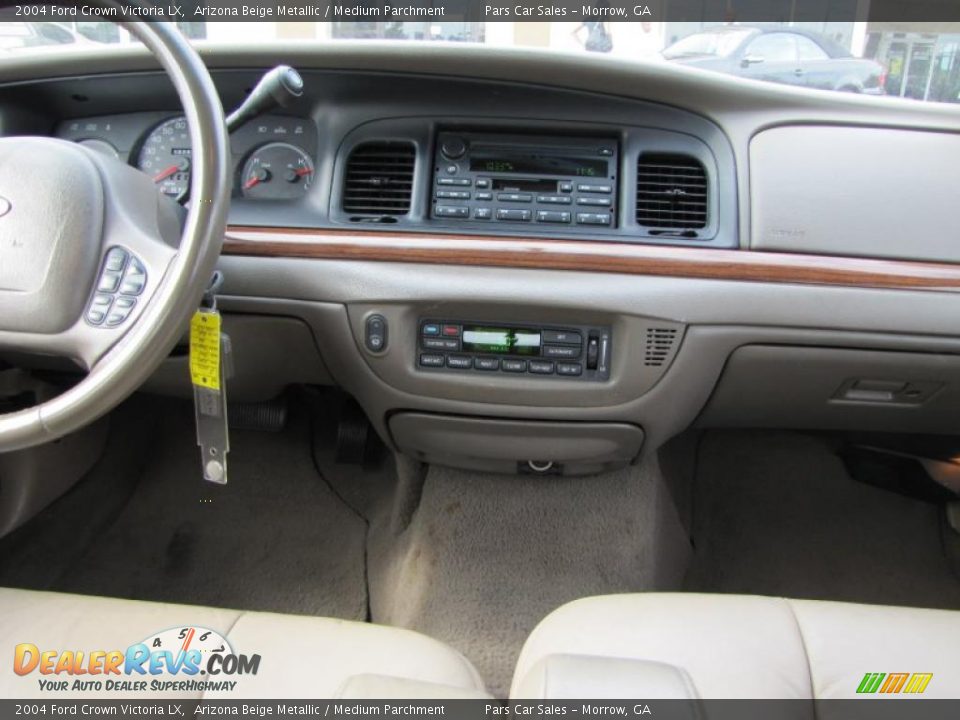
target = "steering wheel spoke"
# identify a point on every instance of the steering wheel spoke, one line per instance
(140, 237)
(84, 308)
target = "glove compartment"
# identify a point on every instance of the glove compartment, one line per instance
(836, 389)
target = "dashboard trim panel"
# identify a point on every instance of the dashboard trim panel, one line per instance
(592, 256)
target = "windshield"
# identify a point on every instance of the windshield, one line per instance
(710, 44)
(805, 47)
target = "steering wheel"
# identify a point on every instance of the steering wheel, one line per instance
(93, 263)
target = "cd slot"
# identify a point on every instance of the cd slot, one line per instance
(524, 184)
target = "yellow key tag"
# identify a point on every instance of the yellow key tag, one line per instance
(205, 349)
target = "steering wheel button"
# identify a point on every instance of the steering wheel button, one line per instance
(101, 301)
(109, 281)
(116, 259)
(95, 317)
(132, 286)
(136, 268)
(124, 303)
(134, 279)
(115, 318)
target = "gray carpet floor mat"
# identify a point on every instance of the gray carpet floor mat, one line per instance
(778, 514)
(276, 538)
(471, 559)
(486, 557)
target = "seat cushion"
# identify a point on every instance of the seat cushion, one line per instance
(736, 646)
(299, 656)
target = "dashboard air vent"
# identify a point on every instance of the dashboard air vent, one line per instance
(659, 345)
(671, 192)
(379, 179)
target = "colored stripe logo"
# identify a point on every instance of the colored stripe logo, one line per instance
(894, 683)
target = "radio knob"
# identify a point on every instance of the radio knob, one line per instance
(453, 147)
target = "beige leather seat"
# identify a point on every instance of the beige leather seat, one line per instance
(300, 656)
(733, 646)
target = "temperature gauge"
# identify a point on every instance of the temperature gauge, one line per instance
(277, 171)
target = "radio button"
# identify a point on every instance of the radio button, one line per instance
(566, 187)
(451, 330)
(462, 182)
(515, 197)
(541, 367)
(553, 199)
(453, 195)
(516, 215)
(551, 216)
(593, 218)
(561, 337)
(516, 366)
(452, 169)
(431, 360)
(452, 211)
(483, 213)
(561, 351)
(482, 363)
(572, 369)
(483, 183)
(602, 189)
(459, 362)
(484, 196)
(431, 329)
(440, 344)
(604, 202)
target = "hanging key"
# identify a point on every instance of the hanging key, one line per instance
(211, 364)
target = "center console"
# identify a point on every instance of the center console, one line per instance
(546, 180)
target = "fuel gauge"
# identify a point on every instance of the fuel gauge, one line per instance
(277, 171)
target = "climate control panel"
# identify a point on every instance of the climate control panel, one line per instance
(573, 352)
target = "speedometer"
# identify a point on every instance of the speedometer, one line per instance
(165, 156)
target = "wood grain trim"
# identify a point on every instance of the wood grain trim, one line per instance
(517, 252)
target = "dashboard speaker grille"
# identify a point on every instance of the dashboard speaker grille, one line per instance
(659, 345)
(379, 179)
(671, 192)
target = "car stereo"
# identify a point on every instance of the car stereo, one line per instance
(576, 352)
(547, 180)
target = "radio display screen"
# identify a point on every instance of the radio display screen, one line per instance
(500, 341)
(533, 164)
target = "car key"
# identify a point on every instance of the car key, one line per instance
(211, 363)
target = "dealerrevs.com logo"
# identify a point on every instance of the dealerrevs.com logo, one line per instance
(188, 659)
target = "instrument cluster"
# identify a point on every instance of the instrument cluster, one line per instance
(273, 156)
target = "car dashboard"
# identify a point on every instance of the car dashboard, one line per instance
(486, 245)
(438, 155)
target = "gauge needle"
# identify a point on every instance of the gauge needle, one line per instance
(164, 174)
(304, 171)
(253, 181)
(186, 642)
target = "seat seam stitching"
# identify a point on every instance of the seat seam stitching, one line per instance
(806, 654)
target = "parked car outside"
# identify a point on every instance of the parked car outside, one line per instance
(16, 35)
(784, 55)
